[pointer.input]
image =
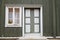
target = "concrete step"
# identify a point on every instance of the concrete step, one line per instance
(22, 38)
(32, 39)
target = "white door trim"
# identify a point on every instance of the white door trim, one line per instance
(23, 22)
(41, 21)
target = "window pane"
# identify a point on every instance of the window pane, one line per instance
(16, 21)
(27, 28)
(27, 20)
(16, 12)
(36, 20)
(36, 12)
(36, 28)
(10, 12)
(27, 12)
(10, 15)
(10, 9)
(17, 16)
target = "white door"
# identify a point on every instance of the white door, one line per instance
(32, 21)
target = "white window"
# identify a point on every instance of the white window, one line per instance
(13, 17)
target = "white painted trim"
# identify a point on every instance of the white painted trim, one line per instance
(41, 21)
(23, 22)
(6, 17)
(20, 16)
(13, 15)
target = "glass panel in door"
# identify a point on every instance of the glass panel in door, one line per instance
(32, 20)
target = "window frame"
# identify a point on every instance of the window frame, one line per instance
(6, 16)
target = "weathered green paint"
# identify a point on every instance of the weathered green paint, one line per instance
(58, 17)
(13, 32)
(58, 22)
(47, 17)
(23, 1)
(54, 19)
(0, 18)
(51, 17)
(37, 1)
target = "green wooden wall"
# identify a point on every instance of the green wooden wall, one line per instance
(48, 28)
(48, 18)
(13, 31)
(58, 17)
(0, 18)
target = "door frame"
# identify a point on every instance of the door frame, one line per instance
(41, 18)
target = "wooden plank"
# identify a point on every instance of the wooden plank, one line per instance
(54, 19)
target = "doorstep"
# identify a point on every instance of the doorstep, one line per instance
(32, 37)
(27, 38)
(23, 38)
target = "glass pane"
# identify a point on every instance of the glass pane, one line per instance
(16, 21)
(10, 12)
(27, 12)
(16, 12)
(17, 16)
(36, 28)
(36, 20)
(10, 9)
(27, 20)
(36, 12)
(10, 15)
(27, 28)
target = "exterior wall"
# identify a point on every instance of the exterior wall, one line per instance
(58, 17)
(13, 31)
(0, 18)
(47, 17)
